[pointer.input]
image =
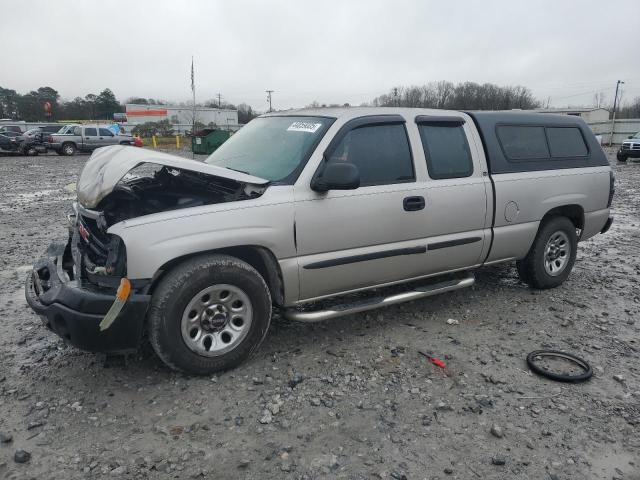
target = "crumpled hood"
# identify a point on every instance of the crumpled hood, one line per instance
(107, 165)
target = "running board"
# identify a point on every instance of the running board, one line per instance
(378, 302)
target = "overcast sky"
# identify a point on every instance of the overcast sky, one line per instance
(328, 51)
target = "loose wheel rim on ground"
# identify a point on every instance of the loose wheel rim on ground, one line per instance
(557, 253)
(216, 320)
(538, 355)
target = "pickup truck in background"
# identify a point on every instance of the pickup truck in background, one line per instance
(301, 209)
(630, 148)
(85, 138)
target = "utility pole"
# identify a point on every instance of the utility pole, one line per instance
(615, 104)
(269, 92)
(219, 102)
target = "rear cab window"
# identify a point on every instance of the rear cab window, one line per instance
(380, 151)
(446, 147)
(90, 132)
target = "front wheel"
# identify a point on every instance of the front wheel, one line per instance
(68, 149)
(621, 157)
(209, 314)
(552, 255)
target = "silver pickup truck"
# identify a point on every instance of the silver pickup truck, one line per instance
(302, 209)
(84, 138)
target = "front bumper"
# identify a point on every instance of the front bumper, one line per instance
(630, 153)
(73, 308)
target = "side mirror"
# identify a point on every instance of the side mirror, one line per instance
(630, 136)
(337, 176)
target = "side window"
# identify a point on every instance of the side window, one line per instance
(77, 131)
(381, 153)
(523, 142)
(105, 132)
(90, 132)
(447, 151)
(566, 142)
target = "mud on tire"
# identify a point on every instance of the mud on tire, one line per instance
(180, 288)
(532, 269)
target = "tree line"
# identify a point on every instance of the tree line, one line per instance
(442, 94)
(30, 106)
(459, 96)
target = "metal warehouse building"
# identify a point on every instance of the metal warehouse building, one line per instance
(181, 117)
(589, 115)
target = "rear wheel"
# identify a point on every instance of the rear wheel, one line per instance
(208, 314)
(68, 149)
(552, 255)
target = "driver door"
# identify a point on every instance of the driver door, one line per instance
(351, 239)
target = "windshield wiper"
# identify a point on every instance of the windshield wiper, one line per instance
(236, 170)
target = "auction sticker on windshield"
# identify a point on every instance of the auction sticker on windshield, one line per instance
(304, 127)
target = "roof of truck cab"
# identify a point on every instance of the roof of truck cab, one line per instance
(354, 112)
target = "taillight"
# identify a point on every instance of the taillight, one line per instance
(612, 188)
(50, 139)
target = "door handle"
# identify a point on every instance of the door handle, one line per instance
(411, 204)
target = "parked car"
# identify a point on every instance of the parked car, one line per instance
(312, 205)
(8, 145)
(10, 130)
(31, 142)
(85, 138)
(630, 148)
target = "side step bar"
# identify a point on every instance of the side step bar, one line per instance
(311, 316)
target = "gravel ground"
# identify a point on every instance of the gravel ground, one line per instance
(349, 398)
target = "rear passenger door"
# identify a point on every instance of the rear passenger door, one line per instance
(457, 218)
(351, 239)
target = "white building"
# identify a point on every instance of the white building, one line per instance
(589, 115)
(181, 118)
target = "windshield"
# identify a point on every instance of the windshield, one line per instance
(637, 135)
(67, 129)
(273, 148)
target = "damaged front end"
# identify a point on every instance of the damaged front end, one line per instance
(74, 286)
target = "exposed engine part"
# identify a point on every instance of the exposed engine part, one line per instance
(169, 189)
(147, 189)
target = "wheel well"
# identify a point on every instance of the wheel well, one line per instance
(260, 258)
(69, 143)
(575, 213)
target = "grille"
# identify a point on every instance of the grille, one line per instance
(95, 246)
(631, 146)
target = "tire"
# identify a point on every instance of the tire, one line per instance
(558, 377)
(30, 152)
(68, 149)
(541, 269)
(125, 143)
(179, 322)
(621, 157)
